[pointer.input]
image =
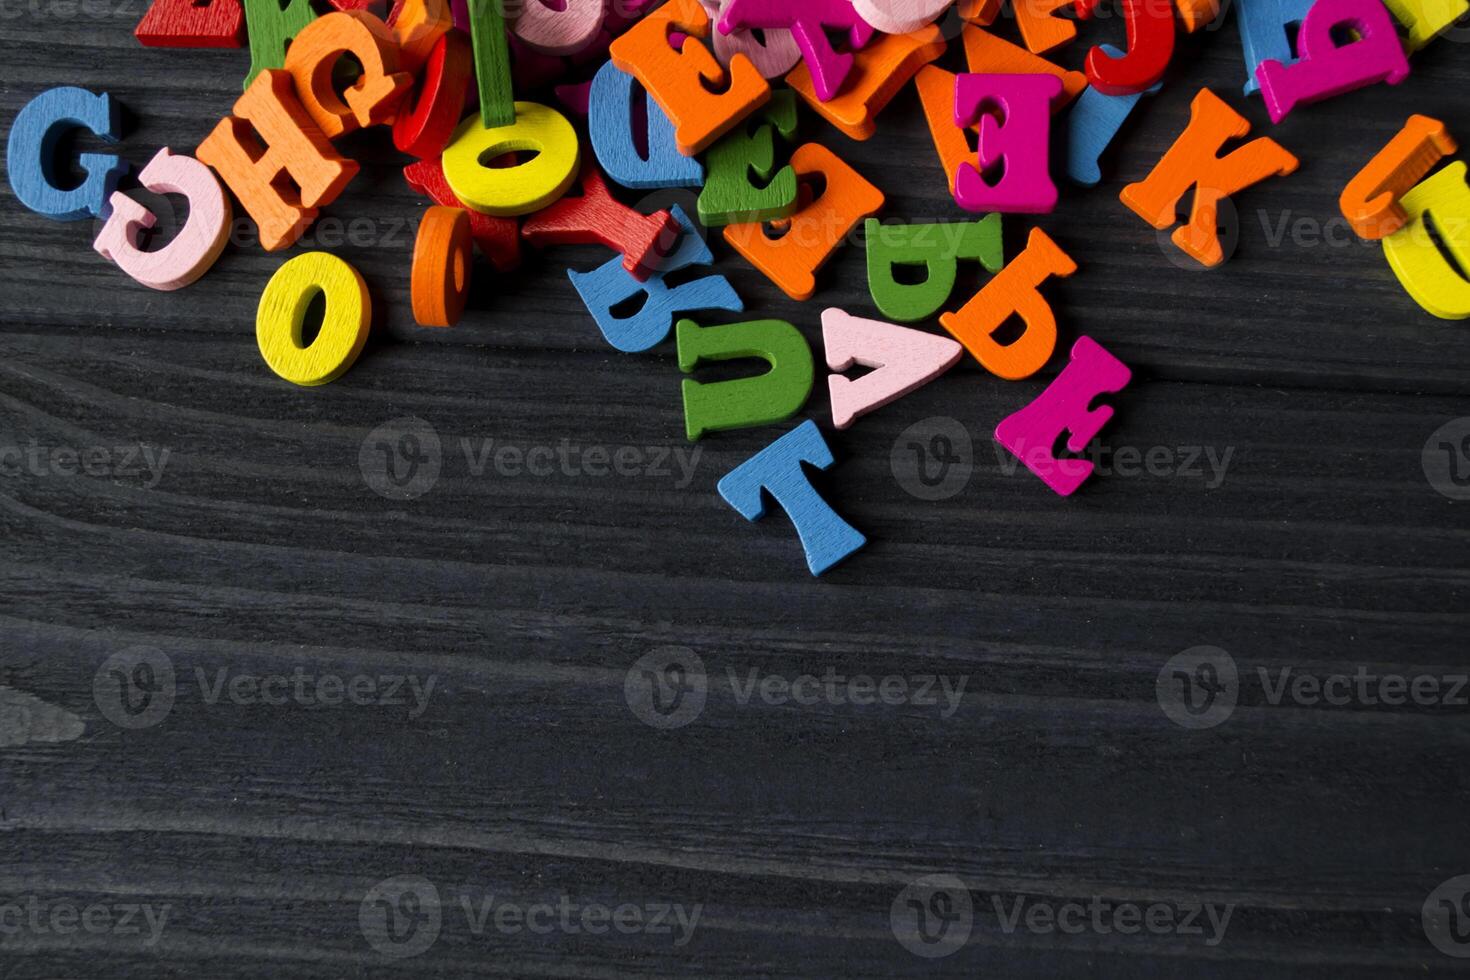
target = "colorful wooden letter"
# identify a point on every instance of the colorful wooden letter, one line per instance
(190, 24)
(610, 122)
(1324, 68)
(491, 47)
(526, 187)
(1266, 28)
(1041, 29)
(562, 31)
(813, 233)
(596, 218)
(900, 16)
(749, 150)
(498, 239)
(1150, 25)
(428, 118)
(1063, 407)
(369, 101)
(1094, 121)
(743, 403)
(35, 138)
(1371, 201)
(903, 360)
(345, 324)
(1427, 19)
(197, 245)
(1423, 269)
(777, 470)
(1015, 291)
(680, 80)
(939, 249)
(293, 147)
(773, 55)
(1195, 161)
(271, 26)
(440, 277)
(879, 71)
(987, 54)
(808, 22)
(609, 287)
(1021, 142)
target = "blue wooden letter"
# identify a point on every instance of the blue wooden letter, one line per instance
(30, 155)
(826, 537)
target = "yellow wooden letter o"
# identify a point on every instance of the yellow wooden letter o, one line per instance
(344, 331)
(512, 191)
(1426, 273)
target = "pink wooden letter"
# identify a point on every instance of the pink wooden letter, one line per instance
(196, 246)
(1324, 69)
(903, 360)
(1063, 407)
(807, 20)
(1021, 138)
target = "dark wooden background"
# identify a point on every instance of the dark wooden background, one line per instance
(262, 550)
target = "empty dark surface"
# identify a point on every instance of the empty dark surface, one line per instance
(262, 550)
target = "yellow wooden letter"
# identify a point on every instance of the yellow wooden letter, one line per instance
(522, 189)
(1424, 270)
(344, 330)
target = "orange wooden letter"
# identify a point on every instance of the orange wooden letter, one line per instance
(680, 80)
(879, 71)
(294, 147)
(813, 233)
(1371, 201)
(1194, 161)
(1015, 291)
(373, 98)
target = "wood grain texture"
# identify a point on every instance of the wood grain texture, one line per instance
(263, 548)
